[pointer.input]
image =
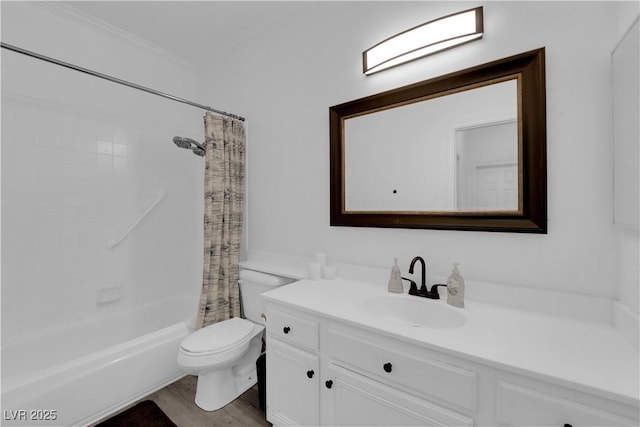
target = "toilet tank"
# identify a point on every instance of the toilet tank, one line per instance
(254, 283)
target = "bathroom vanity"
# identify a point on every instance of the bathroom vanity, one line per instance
(343, 352)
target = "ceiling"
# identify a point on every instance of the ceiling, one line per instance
(189, 28)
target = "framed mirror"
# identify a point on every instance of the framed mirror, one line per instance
(463, 151)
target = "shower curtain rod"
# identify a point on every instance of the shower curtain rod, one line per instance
(115, 80)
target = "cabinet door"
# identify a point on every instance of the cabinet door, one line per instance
(292, 385)
(519, 405)
(355, 400)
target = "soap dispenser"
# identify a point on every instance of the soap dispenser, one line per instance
(395, 281)
(455, 288)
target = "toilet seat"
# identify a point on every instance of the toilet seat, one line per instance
(218, 338)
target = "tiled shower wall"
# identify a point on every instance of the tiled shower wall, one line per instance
(82, 158)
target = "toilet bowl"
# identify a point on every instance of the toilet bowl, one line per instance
(223, 355)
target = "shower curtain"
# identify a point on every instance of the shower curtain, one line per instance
(223, 214)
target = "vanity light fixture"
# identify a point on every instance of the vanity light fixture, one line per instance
(425, 39)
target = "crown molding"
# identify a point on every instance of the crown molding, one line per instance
(66, 10)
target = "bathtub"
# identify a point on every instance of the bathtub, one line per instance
(75, 376)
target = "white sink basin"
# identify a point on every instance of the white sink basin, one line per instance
(415, 311)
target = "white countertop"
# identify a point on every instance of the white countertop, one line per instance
(590, 356)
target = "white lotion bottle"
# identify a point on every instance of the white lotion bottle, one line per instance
(395, 281)
(455, 288)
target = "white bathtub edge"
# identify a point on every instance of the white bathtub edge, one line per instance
(98, 385)
(107, 413)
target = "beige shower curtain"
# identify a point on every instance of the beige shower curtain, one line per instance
(223, 214)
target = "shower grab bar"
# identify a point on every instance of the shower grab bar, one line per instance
(114, 243)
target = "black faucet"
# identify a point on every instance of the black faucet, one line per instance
(423, 291)
(424, 270)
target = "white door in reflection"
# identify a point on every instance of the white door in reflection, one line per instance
(496, 187)
(487, 167)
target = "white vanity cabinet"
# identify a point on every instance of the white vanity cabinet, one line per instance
(292, 385)
(521, 402)
(293, 369)
(373, 381)
(329, 363)
(353, 399)
(319, 373)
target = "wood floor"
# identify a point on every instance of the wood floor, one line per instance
(177, 401)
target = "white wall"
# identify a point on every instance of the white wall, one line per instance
(81, 159)
(628, 242)
(285, 80)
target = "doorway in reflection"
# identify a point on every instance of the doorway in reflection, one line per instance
(487, 167)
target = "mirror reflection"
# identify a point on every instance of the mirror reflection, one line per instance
(458, 151)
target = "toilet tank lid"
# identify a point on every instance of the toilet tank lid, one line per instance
(218, 337)
(263, 278)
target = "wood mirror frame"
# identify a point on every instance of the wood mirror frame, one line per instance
(529, 67)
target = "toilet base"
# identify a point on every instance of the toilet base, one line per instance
(218, 388)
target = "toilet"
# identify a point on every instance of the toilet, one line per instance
(224, 355)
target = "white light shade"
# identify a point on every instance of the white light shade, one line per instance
(423, 40)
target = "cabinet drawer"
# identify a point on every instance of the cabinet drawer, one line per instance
(443, 381)
(292, 328)
(519, 405)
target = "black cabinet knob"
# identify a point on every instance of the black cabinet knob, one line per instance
(567, 425)
(328, 383)
(286, 329)
(387, 367)
(310, 373)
